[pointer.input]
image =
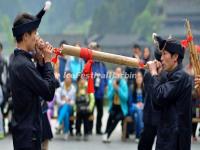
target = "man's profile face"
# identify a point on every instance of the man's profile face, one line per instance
(31, 40)
(168, 60)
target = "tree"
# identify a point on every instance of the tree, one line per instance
(116, 16)
(5, 26)
(147, 22)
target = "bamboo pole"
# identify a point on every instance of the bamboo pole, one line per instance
(103, 56)
(193, 54)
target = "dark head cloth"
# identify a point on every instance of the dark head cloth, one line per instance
(171, 45)
(26, 27)
(29, 26)
(157, 54)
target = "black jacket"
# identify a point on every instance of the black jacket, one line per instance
(27, 84)
(173, 98)
(151, 116)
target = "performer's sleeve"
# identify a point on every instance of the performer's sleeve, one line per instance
(147, 79)
(40, 68)
(164, 93)
(44, 85)
(123, 90)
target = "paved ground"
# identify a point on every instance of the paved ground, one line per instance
(94, 143)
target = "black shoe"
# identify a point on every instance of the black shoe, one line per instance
(78, 136)
(71, 134)
(127, 136)
(89, 132)
(99, 133)
(86, 137)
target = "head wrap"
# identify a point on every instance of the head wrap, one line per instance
(32, 24)
(171, 45)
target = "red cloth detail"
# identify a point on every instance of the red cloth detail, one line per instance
(141, 64)
(185, 42)
(197, 48)
(86, 54)
(57, 52)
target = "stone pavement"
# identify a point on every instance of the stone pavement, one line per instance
(94, 143)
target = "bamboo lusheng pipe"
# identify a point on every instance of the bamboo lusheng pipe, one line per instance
(193, 54)
(103, 56)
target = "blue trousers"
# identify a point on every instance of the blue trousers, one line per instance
(137, 115)
(64, 115)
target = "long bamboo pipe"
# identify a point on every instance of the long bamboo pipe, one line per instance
(103, 56)
(193, 54)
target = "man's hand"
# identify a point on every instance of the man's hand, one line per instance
(197, 81)
(57, 75)
(197, 84)
(48, 50)
(39, 57)
(40, 44)
(45, 48)
(152, 67)
(159, 67)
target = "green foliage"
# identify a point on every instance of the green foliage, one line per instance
(4, 25)
(80, 10)
(116, 16)
(81, 28)
(89, 16)
(147, 22)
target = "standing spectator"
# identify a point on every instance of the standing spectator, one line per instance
(136, 100)
(100, 82)
(3, 89)
(84, 107)
(146, 55)
(65, 97)
(137, 53)
(1, 116)
(118, 99)
(62, 62)
(7, 105)
(75, 65)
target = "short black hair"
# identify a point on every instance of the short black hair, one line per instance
(137, 46)
(22, 19)
(179, 60)
(68, 72)
(79, 77)
(1, 46)
(63, 42)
